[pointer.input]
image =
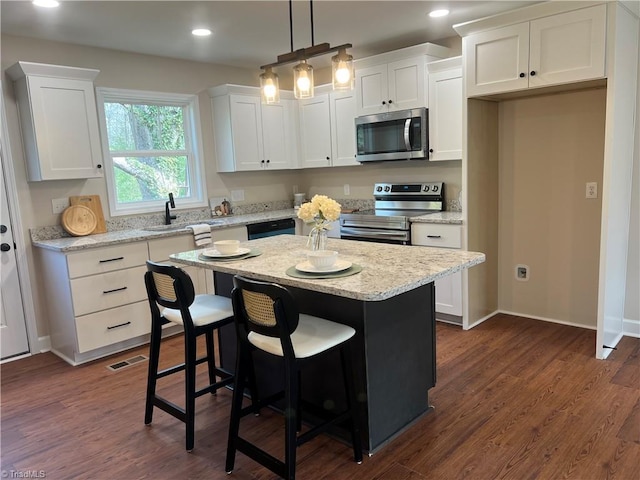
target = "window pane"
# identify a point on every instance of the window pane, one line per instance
(136, 127)
(139, 179)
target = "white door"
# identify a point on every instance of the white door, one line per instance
(246, 126)
(372, 90)
(275, 128)
(13, 329)
(343, 128)
(445, 115)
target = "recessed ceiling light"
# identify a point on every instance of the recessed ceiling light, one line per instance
(439, 13)
(201, 32)
(46, 3)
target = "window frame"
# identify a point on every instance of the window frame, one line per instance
(192, 140)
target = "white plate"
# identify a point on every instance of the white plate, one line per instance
(339, 266)
(213, 253)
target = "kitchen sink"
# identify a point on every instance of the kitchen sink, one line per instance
(179, 226)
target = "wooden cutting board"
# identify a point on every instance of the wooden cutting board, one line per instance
(78, 220)
(93, 203)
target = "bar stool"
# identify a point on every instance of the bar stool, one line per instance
(171, 287)
(267, 318)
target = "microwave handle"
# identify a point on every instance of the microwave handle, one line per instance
(407, 130)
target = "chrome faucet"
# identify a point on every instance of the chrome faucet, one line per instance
(167, 216)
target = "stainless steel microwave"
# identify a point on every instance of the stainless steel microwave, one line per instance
(400, 135)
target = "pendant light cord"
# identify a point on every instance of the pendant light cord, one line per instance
(291, 22)
(311, 15)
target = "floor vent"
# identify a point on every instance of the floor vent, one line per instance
(125, 363)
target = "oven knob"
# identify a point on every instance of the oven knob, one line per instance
(426, 188)
(387, 188)
(434, 188)
(378, 188)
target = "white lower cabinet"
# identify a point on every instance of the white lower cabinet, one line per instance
(449, 288)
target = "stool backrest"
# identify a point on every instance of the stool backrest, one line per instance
(265, 308)
(170, 287)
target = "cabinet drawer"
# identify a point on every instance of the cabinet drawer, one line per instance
(112, 326)
(108, 290)
(101, 260)
(436, 235)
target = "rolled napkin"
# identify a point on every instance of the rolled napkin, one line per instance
(201, 233)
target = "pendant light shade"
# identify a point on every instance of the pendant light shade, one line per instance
(269, 87)
(343, 74)
(303, 80)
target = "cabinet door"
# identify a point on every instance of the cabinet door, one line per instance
(343, 129)
(496, 59)
(64, 142)
(569, 47)
(276, 132)
(246, 127)
(371, 90)
(406, 83)
(315, 132)
(449, 294)
(445, 115)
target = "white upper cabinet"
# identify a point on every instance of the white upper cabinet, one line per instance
(315, 131)
(564, 48)
(327, 130)
(59, 121)
(445, 109)
(397, 85)
(343, 128)
(249, 135)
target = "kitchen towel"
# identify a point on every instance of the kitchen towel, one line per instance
(201, 234)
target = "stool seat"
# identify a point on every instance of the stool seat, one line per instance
(312, 336)
(205, 310)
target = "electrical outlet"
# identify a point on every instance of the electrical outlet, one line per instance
(347, 189)
(592, 190)
(59, 204)
(237, 195)
(522, 273)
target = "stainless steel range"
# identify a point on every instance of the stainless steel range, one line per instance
(395, 204)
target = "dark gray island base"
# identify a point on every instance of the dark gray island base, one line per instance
(391, 305)
(394, 357)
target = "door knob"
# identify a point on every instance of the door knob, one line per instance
(3, 229)
(521, 75)
(5, 247)
(533, 72)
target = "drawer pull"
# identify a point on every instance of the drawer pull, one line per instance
(118, 326)
(434, 236)
(114, 290)
(111, 260)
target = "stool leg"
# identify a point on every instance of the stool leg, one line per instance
(211, 359)
(352, 403)
(152, 375)
(190, 387)
(290, 418)
(242, 365)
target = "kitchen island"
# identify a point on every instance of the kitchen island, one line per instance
(390, 304)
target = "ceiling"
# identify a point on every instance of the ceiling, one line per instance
(245, 33)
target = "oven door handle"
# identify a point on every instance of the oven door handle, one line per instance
(372, 233)
(407, 130)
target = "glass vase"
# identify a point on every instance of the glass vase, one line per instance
(318, 238)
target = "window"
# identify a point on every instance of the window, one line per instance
(152, 147)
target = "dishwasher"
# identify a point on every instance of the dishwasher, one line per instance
(271, 228)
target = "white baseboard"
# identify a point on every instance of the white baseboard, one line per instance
(631, 328)
(550, 320)
(44, 344)
(479, 321)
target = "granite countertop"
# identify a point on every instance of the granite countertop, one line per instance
(387, 270)
(69, 244)
(41, 237)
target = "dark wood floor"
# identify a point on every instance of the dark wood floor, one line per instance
(515, 399)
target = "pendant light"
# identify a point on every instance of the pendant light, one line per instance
(303, 85)
(342, 72)
(269, 87)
